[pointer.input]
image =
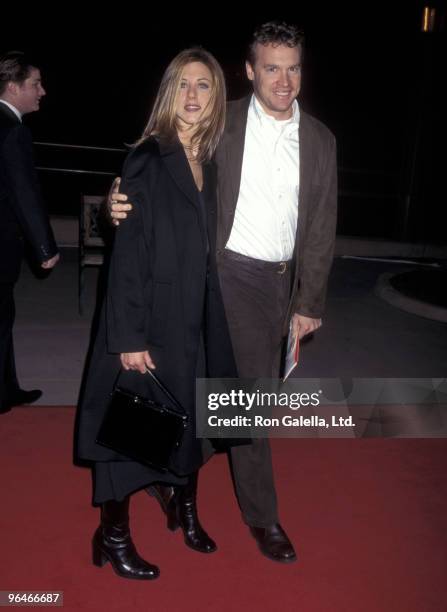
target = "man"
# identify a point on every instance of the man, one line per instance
(277, 188)
(22, 213)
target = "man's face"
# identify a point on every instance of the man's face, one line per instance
(27, 95)
(276, 77)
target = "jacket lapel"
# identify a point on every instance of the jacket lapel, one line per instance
(209, 195)
(177, 165)
(174, 158)
(307, 159)
(234, 146)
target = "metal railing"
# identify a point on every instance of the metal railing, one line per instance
(342, 169)
(80, 148)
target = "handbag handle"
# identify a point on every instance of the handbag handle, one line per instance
(166, 391)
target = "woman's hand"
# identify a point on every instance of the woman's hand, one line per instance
(137, 361)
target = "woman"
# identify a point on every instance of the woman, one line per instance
(163, 305)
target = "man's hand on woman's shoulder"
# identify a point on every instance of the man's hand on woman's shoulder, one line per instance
(117, 204)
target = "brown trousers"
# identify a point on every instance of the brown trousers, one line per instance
(256, 296)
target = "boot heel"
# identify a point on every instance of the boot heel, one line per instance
(99, 558)
(173, 523)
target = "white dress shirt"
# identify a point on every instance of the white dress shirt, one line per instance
(266, 214)
(13, 108)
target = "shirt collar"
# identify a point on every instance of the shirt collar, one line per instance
(16, 112)
(264, 118)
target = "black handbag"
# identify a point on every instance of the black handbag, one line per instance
(142, 429)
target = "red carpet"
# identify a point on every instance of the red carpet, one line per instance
(368, 517)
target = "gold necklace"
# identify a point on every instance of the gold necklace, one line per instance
(191, 153)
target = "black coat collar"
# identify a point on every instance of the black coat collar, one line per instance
(8, 113)
(174, 158)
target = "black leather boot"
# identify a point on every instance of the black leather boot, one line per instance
(186, 517)
(166, 497)
(112, 542)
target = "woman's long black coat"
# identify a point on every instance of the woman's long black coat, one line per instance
(160, 295)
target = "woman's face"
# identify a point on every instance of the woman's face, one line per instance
(194, 94)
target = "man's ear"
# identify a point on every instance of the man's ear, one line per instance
(250, 71)
(12, 88)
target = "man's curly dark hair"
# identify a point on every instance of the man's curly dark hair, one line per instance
(14, 66)
(275, 33)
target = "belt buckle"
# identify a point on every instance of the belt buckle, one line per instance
(282, 267)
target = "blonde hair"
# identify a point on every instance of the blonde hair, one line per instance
(163, 120)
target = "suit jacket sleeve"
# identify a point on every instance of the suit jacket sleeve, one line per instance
(128, 273)
(25, 193)
(319, 239)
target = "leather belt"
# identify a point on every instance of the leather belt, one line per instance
(280, 267)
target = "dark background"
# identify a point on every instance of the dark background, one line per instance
(370, 74)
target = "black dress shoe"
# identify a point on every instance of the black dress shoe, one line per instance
(20, 397)
(274, 543)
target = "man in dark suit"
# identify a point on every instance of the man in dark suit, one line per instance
(22, 213)
(277, 187)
